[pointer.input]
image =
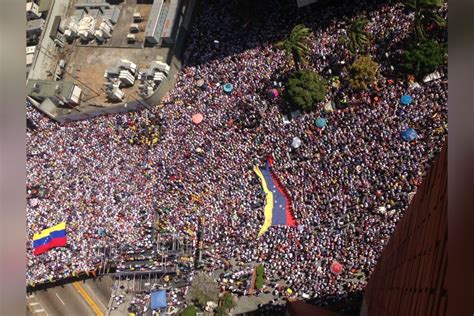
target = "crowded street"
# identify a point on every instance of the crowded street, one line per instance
(350, 182)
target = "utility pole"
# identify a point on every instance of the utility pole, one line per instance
(200, 237)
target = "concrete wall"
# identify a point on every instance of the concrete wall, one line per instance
(131, 106)
(77, 116)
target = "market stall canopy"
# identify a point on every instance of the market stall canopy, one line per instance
(329, 107)
(273, 93)
(409, 134)
(406, 100)
(320, 122)
(296, 142)
(200, 82)
(158, 299)
(336, 268)
(228, 87)
(197, 118)
(33, 202)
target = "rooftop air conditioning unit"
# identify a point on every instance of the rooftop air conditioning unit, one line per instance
(150, 90)
(137, 17)
(127, 64)
(57, 89)
(134, 28)
(117, 95)
(105, 27)
(36, 88)
(99, 35)
(109, 24)
(131, 38)
(163, 67)
(59, 43)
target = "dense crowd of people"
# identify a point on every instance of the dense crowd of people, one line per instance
(349, 181)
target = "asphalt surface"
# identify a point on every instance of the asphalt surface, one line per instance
(89, 297)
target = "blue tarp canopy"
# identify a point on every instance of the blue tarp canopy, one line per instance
(158, 299)
(102, 232)
(406, 100)
(320, 122)
(228, 87)
(409, 134)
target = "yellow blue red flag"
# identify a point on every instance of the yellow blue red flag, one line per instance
(49, 238)
(278, 205)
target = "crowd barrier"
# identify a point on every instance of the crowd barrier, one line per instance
(99, 271)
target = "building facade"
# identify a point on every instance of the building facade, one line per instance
(410, 277)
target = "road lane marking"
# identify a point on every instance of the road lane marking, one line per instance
(60, 299)
(87, 298)
(96, 297)
(35, 308)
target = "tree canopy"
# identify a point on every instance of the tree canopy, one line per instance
(305, 89)
(226, 303)
(423, 58)
(357, 35)
(203, 289)
(295, 44)
(425, 14)
(189, 311)
(362, 73)
(260, 276)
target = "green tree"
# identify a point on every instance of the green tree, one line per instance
(225, 304)
(295, 45)
(425, 13)
(259, 281)
(357, 36)
(260, 276)
(362, 73)
(228, 301)
(189, 311)
(305, 89)
(220, 310)
(203, 289)
(423, 58)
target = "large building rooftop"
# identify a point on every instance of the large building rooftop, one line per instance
(48, 88)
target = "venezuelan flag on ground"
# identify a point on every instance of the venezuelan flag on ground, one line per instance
(49, 238)
(278, 206)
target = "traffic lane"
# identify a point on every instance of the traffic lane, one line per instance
(100, 290)
(48, 301)
(63, 300)
(102, 287)
(75, 303)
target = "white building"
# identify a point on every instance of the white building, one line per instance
(32, 11)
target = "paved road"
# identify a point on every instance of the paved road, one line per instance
(63, 301)
(78, 298)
